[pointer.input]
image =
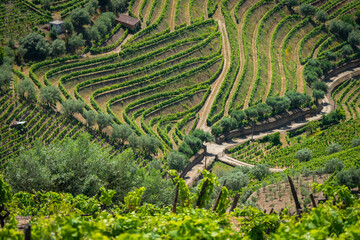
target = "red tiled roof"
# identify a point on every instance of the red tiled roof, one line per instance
(127, 19)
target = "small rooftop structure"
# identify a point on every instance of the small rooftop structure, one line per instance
(58, 25)
(129, 22)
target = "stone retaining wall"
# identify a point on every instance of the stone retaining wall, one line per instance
(197, 158)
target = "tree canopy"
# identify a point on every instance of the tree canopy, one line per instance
(36, 46)
(304, 155)
(307, 9)
(279, 104)
(80, 17)
(49, 95)
(72, 106)
(26, 89)
(122, 132)
(177, 160)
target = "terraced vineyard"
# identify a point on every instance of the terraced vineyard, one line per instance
(347, 96)
(43, 125)
(193, 62)
(19, 18)
(284, 156)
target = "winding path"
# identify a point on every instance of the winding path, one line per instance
(255, 65)
(217, 151)
(204, 112)
(172, 17)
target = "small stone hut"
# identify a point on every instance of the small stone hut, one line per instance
(58, 25)
(129, 22)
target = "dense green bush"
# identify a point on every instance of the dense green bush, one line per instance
(333, 148)
(304, 155)
(333, 165)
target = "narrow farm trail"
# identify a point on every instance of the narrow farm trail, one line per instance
(299, 70)
(172, 17)
(215, 87)
(218, 150)
(146, 14)
(270, 72)
(136, 9)
(255, 64)
(281, 69)
(187, 13)
(239, 28)
(206, 10)
(316, 52)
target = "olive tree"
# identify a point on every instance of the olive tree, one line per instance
(355, 142)
(239, 115)
(80, 17)
(49, 95)
(291, 3)
(103, 120)
(318, 94)
(349, 177)
(177, 160)
(58, 47)
(320, 86)
(74, 42)
(259, 171)
(193, 142)
(235, 180)
(297, 99)
(252, 114)
(307, 9)
(5, 78)
(216, 130)
(36, 46)
(202, 135)
(263, 109)
(340, 28)
(90, 117)
(227, 124)
(333, 148)
(72, 106)
(279, 104)
(122, 132)
(354, 38)
(304, 155)
(148, 144)
(322, 16)
(347, 50)
(26, 89)
(333, 165)
(119, 5)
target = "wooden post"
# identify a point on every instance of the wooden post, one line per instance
(218, 197)
(176, 199)
(271, 211)
(313, 200)
(27, 232)
(3, 217)
(202, 192)
(293, 191)
(235, 202)
(281, 211)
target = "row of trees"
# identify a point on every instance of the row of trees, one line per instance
(35, 47)
(273, 105)
(308, 10)
(240, 176)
